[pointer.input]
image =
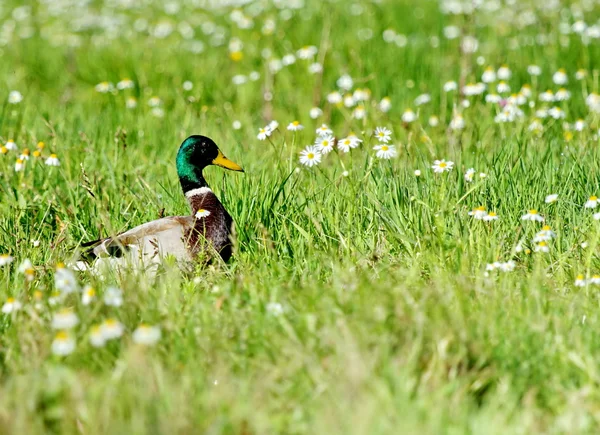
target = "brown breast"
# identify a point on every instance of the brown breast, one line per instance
(214, 229)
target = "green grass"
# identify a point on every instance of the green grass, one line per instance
(391, 323)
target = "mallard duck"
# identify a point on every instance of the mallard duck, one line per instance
(206, 230)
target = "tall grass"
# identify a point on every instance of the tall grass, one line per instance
(390, 322)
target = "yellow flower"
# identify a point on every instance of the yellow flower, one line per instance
(236, 56)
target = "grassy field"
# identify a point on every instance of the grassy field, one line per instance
(366, 295)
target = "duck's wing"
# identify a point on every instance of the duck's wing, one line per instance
(150, 241)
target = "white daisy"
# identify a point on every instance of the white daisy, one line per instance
(334, 97)
(551, 198)
(556, 113)
(450, 86)
(440, 166)
(5, 259)
(504, 72)
(592, 202)
(562, 95)
(383, 134)
(111, 329)
(131, 103)
(19, 165)
(489, 75)
(323, 130)
(113, 297)
(275, 309)
(409, 116)
(11, 305)
(532, 215)
(104, 87)
(534, 70)
(595, 279)
(544, 235)
(310, 156)
(422, 99)
(345, 82)
(478, 212)
(96, 337)
(560, 77)
(469, 175)
(126, 84)
(202, 213)
(146, 335)
(325, 144)
(385, 104)
(15, 97)
(502, 87)
(64, 319)
(65, 281)
(264, 133)
(580, 281)
(457, 123)
(63, 344)
(295, 126)
(359, 112)
(88, 295)
(385, 151)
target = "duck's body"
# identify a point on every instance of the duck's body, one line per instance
(207, 230)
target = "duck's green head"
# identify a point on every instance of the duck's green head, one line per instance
(195, 154)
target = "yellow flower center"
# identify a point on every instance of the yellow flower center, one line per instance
(91, 292)
(296, 123)
(533, 211)
(62, 336)
(236, 56)
(579, 277)
(546, 228)
(41, 145)
(10, 300)
(443, 164)
(593, 198)
(542, 244)
(385, 148)
(310, 155)
(491, 213)
(53, 156)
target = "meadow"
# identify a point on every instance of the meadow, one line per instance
(417, 229)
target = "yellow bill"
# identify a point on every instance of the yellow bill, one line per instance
(224, 162)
